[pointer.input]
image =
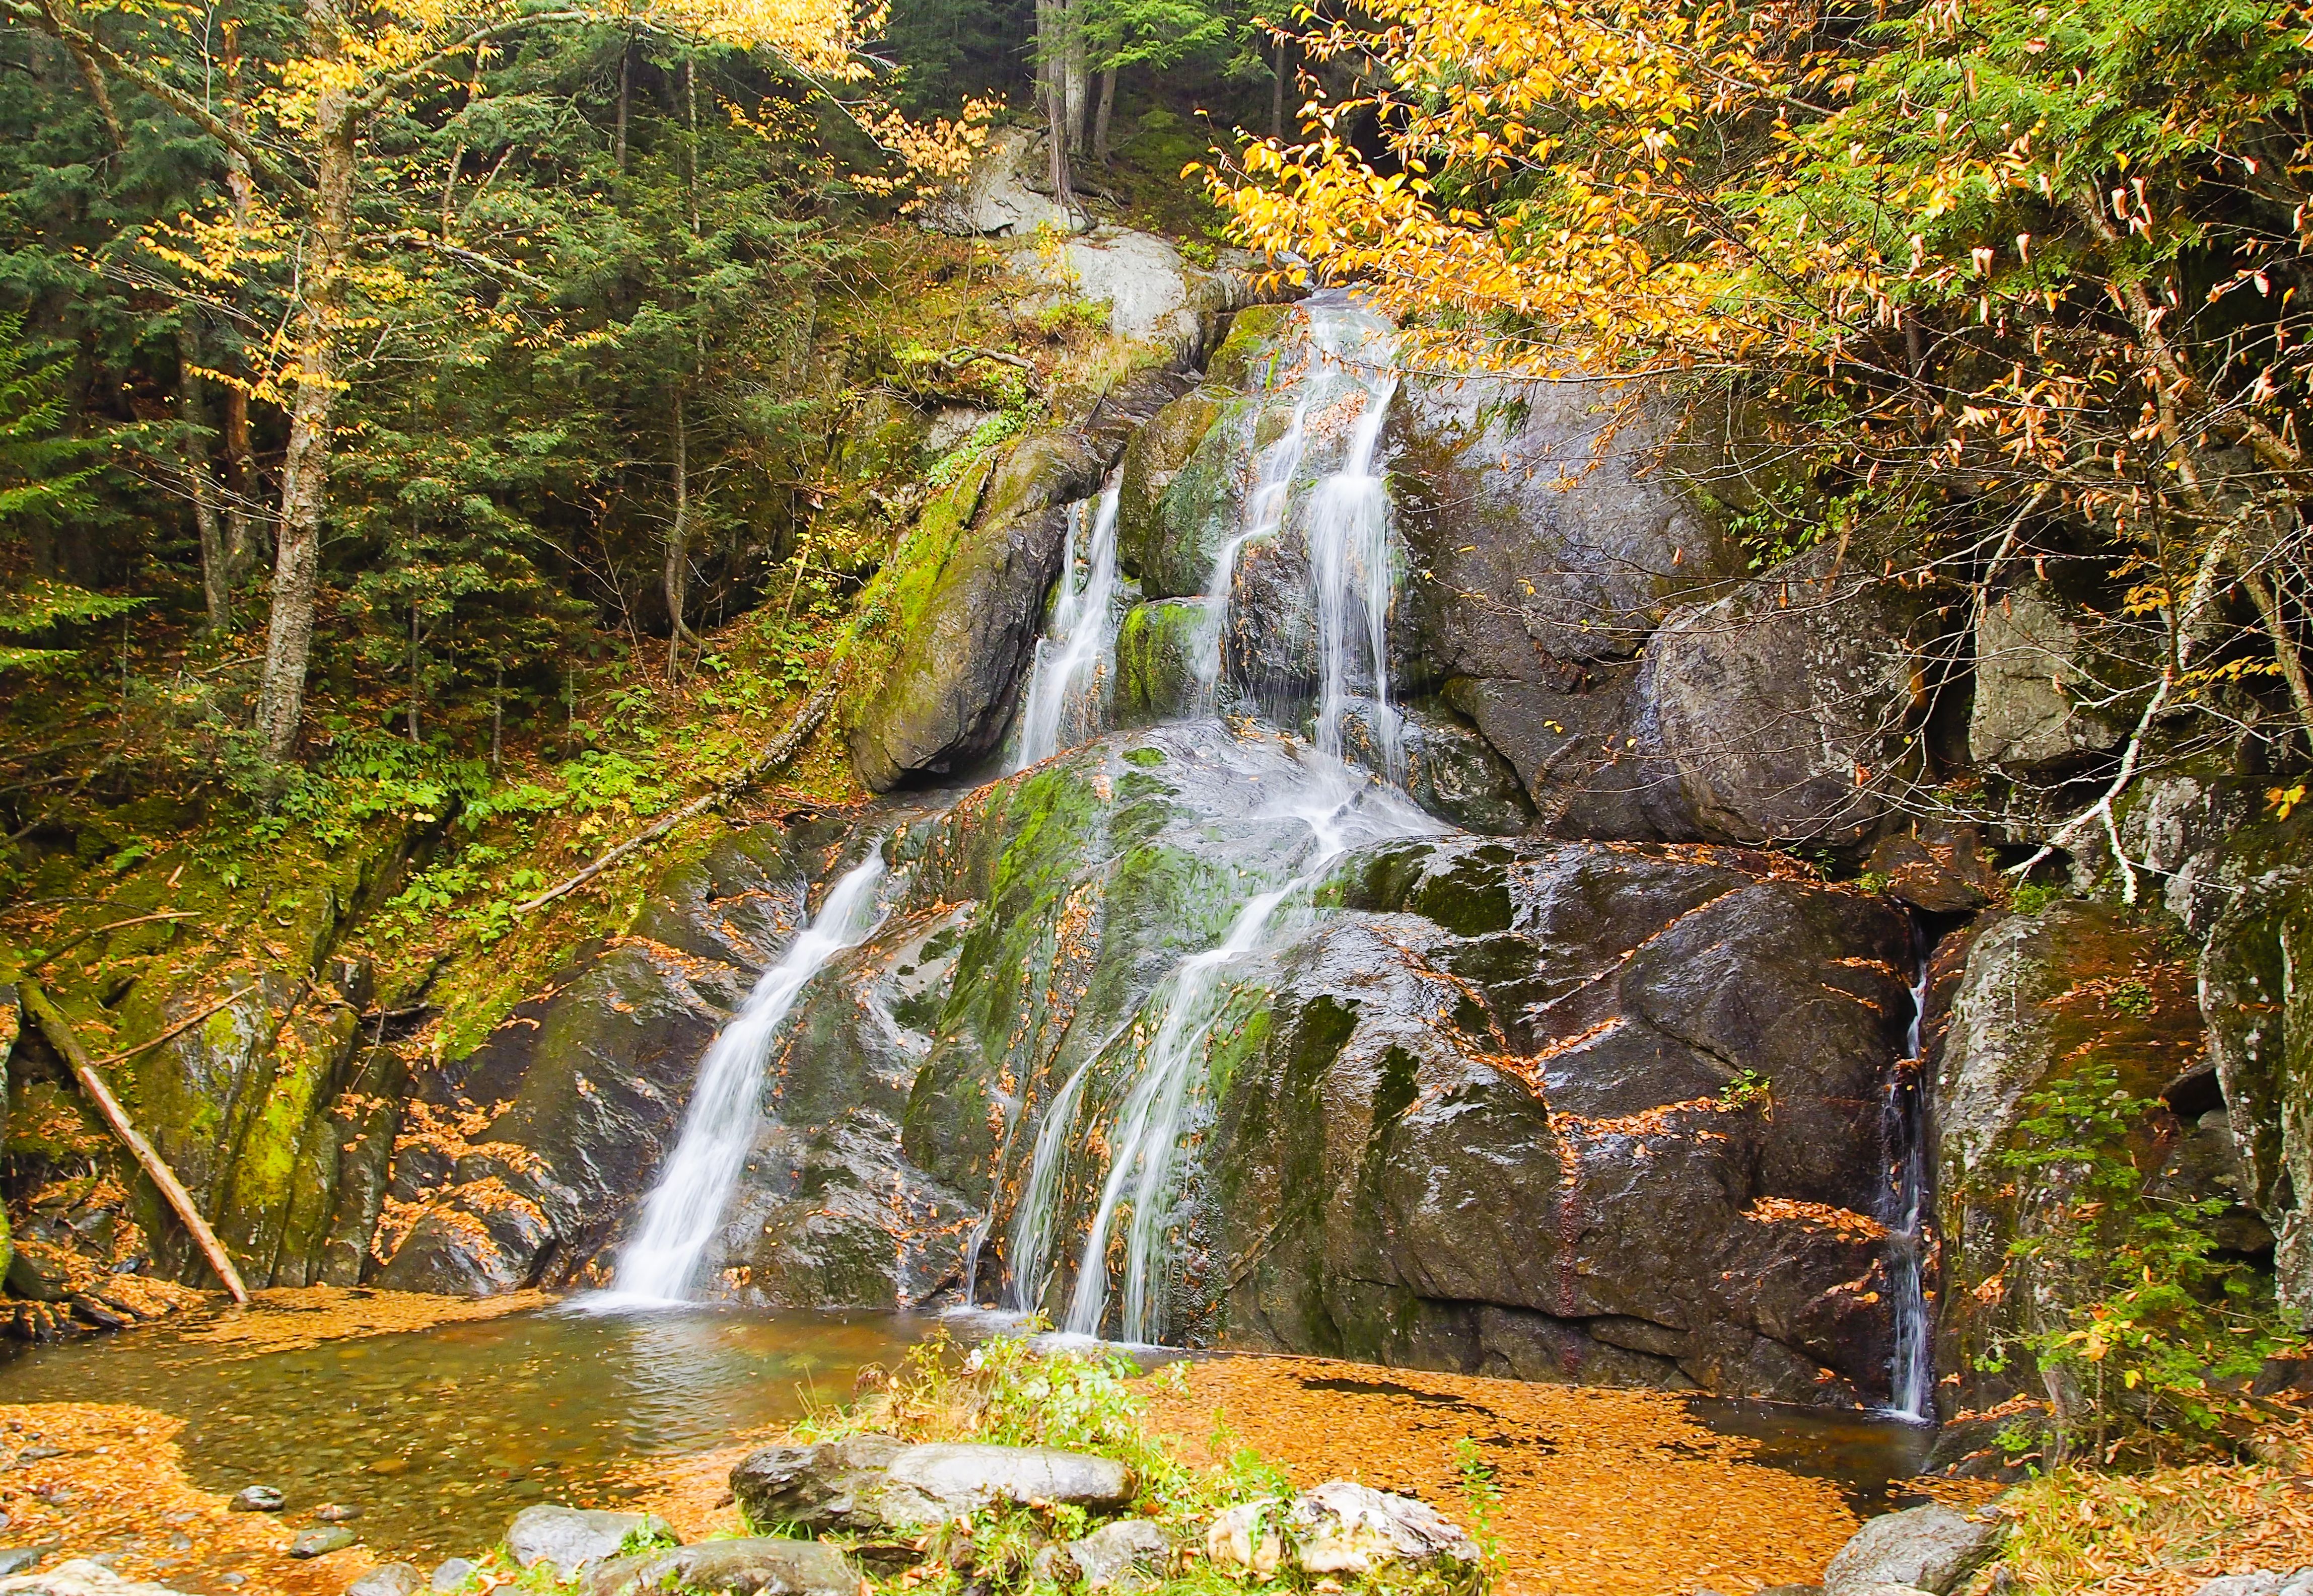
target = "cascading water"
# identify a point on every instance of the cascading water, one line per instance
(1068, 680)
(719, 1125)
(1912, 1365)
(1352, 577)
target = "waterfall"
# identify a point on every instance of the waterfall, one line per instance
(718, 1128)
(1069, 680)
(1912, 1365)
(1353, 579)
(1352, 582)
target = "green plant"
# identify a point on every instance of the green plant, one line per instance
(2155, 1325)
(1748, 1087)
(2033, 897)
(1481, 1501)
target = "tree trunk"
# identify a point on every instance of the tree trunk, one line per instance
(413, 671)
(1074, 80)
(1101, 116)
(1052, 18)
(305, 467)
(240, 538)
(691, 157)
(1277, 95)
(625, 98)
(216, 578)
(677, 575)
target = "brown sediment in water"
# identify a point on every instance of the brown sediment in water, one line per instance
(1606, 1493)
(118, 1486)
(289, 1318)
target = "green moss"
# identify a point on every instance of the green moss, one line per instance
(1244, 359)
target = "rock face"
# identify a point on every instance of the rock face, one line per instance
(2040, 995)
(1927, 1548)
(748, 1566)
(593, 1077)
(873, 1484)
(951, 621)
(571, 1538)
(2029, 677)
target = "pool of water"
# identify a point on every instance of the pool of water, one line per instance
(440, 1436)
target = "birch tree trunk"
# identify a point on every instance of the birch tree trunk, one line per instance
(676, 575)
(216, 579)
(305, 467)
(1101, 116)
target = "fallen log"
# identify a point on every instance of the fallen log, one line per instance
(777, 752)
(53, 1025)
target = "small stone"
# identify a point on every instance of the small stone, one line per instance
(15, 1559)
(390, 1465)
(258, 1499)
(451, 1574)
(232, 1579)
(34, 1455)
(321, 1542)
(1126, 1555)
(80, 1576)
(334, 1512)
(389, 1579)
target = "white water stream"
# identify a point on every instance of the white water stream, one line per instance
(1352, 578)
(679, 1217)
(1911, 1365)
(1068, 682)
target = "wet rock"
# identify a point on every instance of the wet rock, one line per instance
(572, 1538)
(1496, 1030)
(1129, 1555)
(321, 1542)
(81, 1576)
(1337, 1529)
(15, 1559)
(743, 1567)
(1153, 460)
(961, 603)
(1157, 649)
(1928, 1548)
(389, 1579)
(334, 1513)
(39, 1272)
(873, 1484)
(258, 1499)
(449, 1574)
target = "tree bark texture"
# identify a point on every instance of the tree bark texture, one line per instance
(305, 468)
(216, 576)
(677, 576)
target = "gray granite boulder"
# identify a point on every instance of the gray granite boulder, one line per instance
(573, 1537)
(1928, 1548)
(872, 1484)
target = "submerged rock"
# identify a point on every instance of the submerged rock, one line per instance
(81, 1576)
(321, 1542)
(572, 1538)
(1927, 1548)
(389, 1579)
(743, 1567)
(257, 1499)
(873, 1484)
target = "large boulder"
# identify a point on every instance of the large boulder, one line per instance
(948, 627)
(1674, 1061)
(1790, 709)
(2032, 666)
(2259, 1013)
(1927, 1548)
(2041, 996)
(873, 1484)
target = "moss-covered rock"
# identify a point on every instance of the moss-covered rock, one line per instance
(2039, 998)
(947, 626)
(1247, 356)
(1157, 650)
(1152, 461)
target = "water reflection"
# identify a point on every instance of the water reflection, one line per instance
(439, 1437)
